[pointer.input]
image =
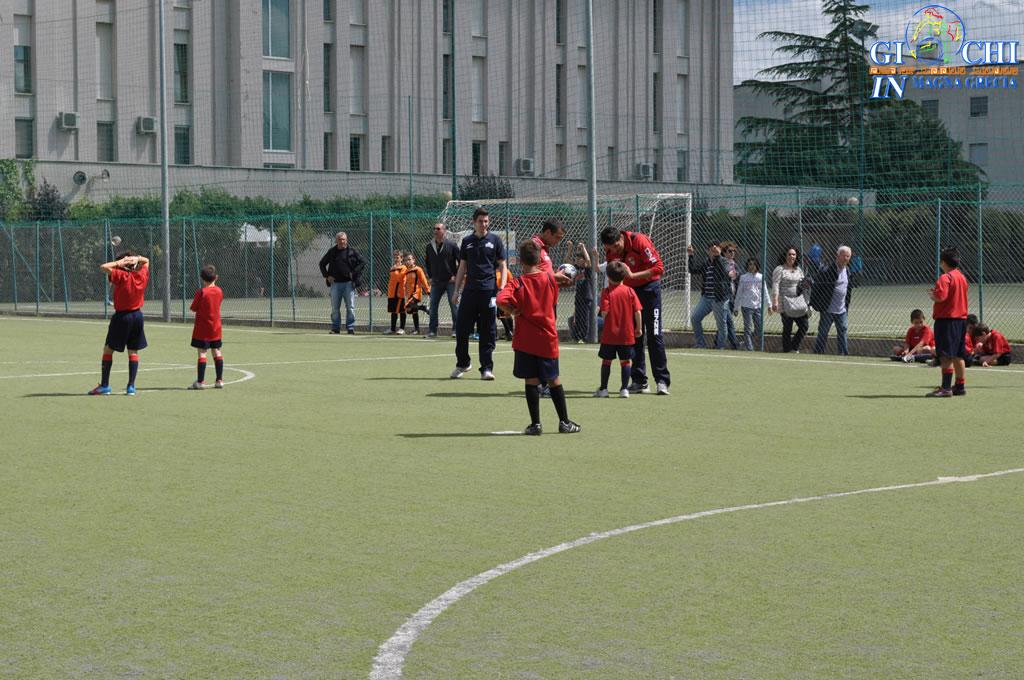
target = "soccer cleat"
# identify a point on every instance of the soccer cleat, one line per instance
(663, 389)
(350, 331)
(219, 384)
(940, 392)
(430, 335)
(197, 386)
(908, 358)
(487, 374)
(400, 331)
(130, 390)
(601, 393)
(624, 393)
(534, 429)
(959, 390)
(100, 389)
(460, 371)
(637, 388)
(568, 427)
(335, 331)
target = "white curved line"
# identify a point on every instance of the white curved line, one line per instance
(246, 375)
(390, 659)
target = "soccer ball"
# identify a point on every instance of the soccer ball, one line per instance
(568, 270)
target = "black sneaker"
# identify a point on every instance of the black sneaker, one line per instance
(335, 331)
(568, 427)
(959, 390)
(534, 429)
(350, 331)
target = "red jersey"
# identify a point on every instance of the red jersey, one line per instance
(206, 305)
(545, 258)
(534, 295)
(996, 344)
(916, 335)
(951, 290)
(129, 288)
(619, 305)
(969, 343)
(639, 254)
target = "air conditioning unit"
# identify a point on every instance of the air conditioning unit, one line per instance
(145, 125)
(524, 167)
(644, 171)
(67, 120)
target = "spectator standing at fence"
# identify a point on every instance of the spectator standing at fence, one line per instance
(442, 262)
(831, 289)
(729, 253)
(715, 293)
(129, 275)
(477, 281)
(788, 299)
(950, 314)
(751, 293)
(342, 268)
(644, 270)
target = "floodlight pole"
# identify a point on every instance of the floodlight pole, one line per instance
(451, 50)
(165, 211)
(591, 158)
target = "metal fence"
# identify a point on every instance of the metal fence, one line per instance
(268, 265)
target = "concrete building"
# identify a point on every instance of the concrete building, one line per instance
(329, 85)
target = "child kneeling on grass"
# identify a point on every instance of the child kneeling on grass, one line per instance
(919, 343)
(531, 299)
(994, 349)
(620, 308)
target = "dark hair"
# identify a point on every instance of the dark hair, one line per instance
(208, 273)
(951, 256)
(552, 225)
(714, 244)
(757, 265)
(782, 257)
(972, 319)
(616, 271)
(480, 212)
(980, 330)
(529, 253)
(125, 253)
(916, 314)
(610, 236)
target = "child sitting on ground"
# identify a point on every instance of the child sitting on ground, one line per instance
(620, 308)
(992, 347)
(919, 343)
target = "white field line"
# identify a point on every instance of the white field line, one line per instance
(246, 375)
(838, 361)
(390, 659)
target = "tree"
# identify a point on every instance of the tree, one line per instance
(477, 187)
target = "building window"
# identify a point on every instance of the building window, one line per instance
(328, 10)
(446, 16)
(277, 111)
(23, 69)
(181, 73)
(681, 26)
(446, 156)
(24, 138)
(479, 158)
(979, 154)
(559, 95)
(656, 26)
(329, 161)
(682, 163)
(328, 77)
(386, 161)
(106, 142)
(503, 158)
(357, 15)
(446, 87)
(479, 92)
(104, 61)
(355, 153)
(357, 102)
(561, 160)
(560, 22)
(479, 17)
(979, 107)
(581, 93)
(613, 164)
(681, 104)
(276, 28)
(930, 106)
(656, 102)
(182, 145)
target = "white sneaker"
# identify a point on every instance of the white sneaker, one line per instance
(601, 393)
(487, 375)
(197, 386)
(663, 389)
(624, 393)
(459, 372)
(219, 384)
(908, 358)
(400, 331)
(636, 388)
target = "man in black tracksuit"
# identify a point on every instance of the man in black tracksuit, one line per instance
(442, 262)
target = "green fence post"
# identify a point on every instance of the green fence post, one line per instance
(291, 272)
(14, 268)
(799, 220)
(370, 297)
(195, 246)
(636, 203)
(938, 238)
(182, 260)
(981, 261)
(37, 268)
(391, 235)
(245, 260)
(271, 270)
(63, 270)
(764, 258)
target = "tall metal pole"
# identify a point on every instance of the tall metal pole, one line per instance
(409, 144)
(591, 158)
(165, 209)
(451, 50)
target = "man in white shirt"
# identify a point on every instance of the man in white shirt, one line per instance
(830, 297)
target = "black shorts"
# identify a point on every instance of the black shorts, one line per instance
(609, 352)
(949, 338)
(1004, 359)
(528, 366)
(396, 305)
(207, 344)
(126, 330)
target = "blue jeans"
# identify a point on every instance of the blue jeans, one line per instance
(824, 324)
(343, 290)
(436, 291)
(704, 307)
(751, 327)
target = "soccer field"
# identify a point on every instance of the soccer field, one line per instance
(775, 517)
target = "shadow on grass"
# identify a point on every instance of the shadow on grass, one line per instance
(457, 435)
(112, 394)
(411, 378)
(569, 394)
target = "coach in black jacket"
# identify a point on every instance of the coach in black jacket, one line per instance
(342, 268)
(830, 297)
(442, 261)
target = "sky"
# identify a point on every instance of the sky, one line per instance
(983, 20)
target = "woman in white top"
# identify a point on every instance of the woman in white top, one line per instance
(788, 299)
(750, 294)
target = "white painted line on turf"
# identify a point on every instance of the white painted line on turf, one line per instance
(448, 355)
(837, 361)
(508, 432)
(390, 659)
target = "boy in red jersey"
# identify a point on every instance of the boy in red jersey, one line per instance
(129, 274)
(994, 351)
(206, 331)
(620, 308)
(950, 314)
(531, 299)
(919, 344)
